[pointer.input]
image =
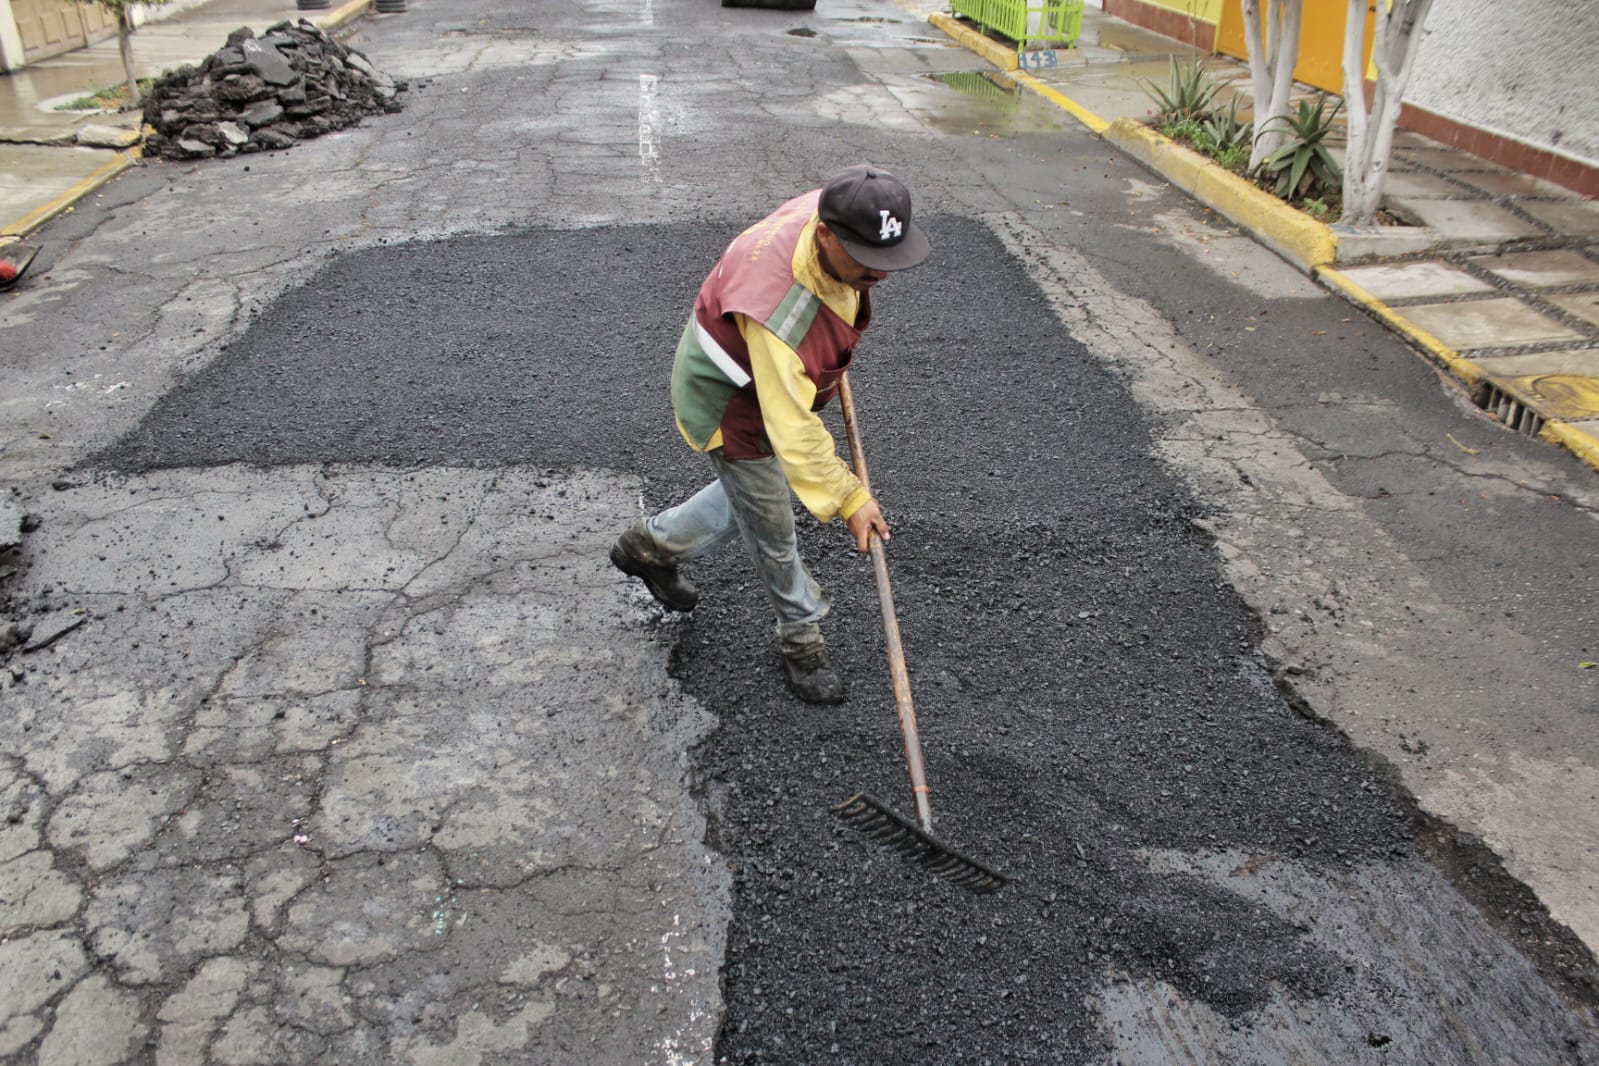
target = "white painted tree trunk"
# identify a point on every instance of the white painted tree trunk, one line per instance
(123, 11)
(1396, 38)
(1271, 68)
(125, 46)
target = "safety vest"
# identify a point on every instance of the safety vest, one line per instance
(712, 387)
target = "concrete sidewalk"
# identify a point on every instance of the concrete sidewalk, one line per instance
(1498, 283)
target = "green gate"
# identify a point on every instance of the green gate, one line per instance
(1054, 22)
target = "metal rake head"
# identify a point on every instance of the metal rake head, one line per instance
(877, 820)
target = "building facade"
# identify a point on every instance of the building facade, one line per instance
(1520, 89)
(32, 30)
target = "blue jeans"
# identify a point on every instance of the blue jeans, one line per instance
(750, 497)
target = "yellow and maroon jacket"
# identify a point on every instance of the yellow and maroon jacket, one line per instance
(712, 387)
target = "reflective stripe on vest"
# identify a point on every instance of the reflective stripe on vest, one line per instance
(718, 355)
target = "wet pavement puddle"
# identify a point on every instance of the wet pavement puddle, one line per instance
(989, 84)
(982, 103)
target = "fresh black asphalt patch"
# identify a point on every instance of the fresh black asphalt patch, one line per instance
(1090, 690)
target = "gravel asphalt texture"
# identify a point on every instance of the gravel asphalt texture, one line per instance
(1089, 688)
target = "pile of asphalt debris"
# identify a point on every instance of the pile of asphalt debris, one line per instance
(14, 523)
(255, 93)
(29, 621)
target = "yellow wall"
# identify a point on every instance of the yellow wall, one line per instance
(1321, 40)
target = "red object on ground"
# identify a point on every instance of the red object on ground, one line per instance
(7, 271)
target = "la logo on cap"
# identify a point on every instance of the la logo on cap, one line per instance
(869, 211)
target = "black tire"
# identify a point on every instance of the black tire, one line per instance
(774, 5)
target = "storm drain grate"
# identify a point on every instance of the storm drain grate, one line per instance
(1512, 412)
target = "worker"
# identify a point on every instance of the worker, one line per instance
(773, 329)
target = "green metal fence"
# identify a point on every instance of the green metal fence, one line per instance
(1056, 22)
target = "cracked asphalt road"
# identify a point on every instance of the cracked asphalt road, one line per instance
(290, 788)
(360, 752)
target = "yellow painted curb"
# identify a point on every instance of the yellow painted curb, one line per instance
(1061, 100)
(1005, 59)
(1286, 230)
(40, 215)
(345, 13)
(1002, 57)
(1451, 360)
(1583, 445)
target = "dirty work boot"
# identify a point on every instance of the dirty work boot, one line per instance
(633, 555)
(811, 677)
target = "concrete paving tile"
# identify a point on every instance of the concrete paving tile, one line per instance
(107, 137)
(1447, 159)
(1117, 89)
(1412, 140)
(32, 176)
(1569, 218)
(37, 135)
(1584, 305)
(1502, 323)
(1418, 184)
(1468, 220)
(1496, 184)
(1572, 362)
(1542, 270)
(1403, 281)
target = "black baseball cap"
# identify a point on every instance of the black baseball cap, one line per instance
(869, 211)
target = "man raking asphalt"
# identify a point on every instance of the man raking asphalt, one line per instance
(773, 329)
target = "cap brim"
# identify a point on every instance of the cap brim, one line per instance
(910, 250)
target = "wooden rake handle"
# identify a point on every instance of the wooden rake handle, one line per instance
(885, 601)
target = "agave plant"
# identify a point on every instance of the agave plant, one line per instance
(1226, 130)
(1191, 94)
(1302, 167)
(1226, 138)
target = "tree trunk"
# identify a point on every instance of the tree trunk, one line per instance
(1359, 144)
(1282, 89)
(125, 46)
(1397, 39)
(1259, 76)
(1271, 67)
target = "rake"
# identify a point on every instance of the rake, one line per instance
(864, 811)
